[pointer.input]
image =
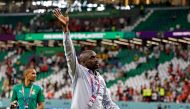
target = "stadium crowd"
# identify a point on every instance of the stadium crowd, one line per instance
(83, 25)
(40, 24)
(174, 88)
(76, 25)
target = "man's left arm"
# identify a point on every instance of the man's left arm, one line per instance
(14, 102)
(107, 101)
(40, 99)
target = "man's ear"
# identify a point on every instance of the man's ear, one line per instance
(25, 75)
(82, 63)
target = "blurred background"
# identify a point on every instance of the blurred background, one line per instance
(143, 48)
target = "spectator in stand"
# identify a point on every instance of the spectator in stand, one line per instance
(120, 93)
(188, 17)
(156, 55)
(6, 29)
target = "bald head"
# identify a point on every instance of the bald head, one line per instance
(85, 55)
(88, 59)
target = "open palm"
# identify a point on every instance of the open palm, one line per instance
(64, 20)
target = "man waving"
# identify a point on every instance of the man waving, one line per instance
(89, 88)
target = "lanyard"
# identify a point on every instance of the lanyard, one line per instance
(25, 102)
(93, 90)
(94, 95)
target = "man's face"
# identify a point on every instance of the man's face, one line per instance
(91, 61)
(31, 75)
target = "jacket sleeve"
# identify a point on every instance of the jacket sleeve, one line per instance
(107, 101)
(70, 54)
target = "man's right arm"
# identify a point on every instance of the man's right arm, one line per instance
(68, 45)
(72, 61)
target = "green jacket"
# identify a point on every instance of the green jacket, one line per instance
(35, 92)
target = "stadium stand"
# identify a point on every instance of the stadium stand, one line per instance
(174, 19)
(127, 79)
(140, 73)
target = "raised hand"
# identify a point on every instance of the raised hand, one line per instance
(64, 20)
